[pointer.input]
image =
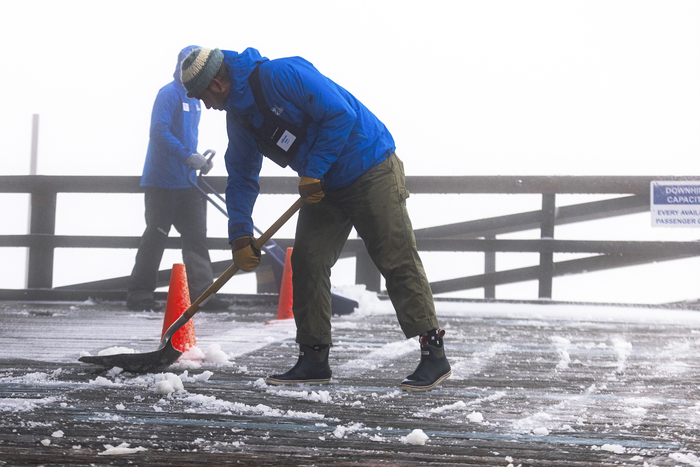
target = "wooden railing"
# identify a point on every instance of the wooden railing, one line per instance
(473, 236)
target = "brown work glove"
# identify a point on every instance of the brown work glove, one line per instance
(311, 190)
(245, 255)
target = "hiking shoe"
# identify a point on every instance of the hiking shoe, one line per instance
(147, 304)
(311, 368)
(432, 369)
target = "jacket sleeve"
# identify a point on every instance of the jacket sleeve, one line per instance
(166, 106)
(314, 94)
(243, 164)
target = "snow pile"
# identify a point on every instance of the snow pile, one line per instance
(386, 353)
(102, 381)
(211, 404)
(536, 424)
(342, 431)
(369, 303)
(459, 405)
(191, 359)
(171, 386)
(10, 404)
(194, 357)
(623, 350)
(562, 345)
(324, 397)
(167, 383)
(202, 377)
(115, 351)
(416, 437)
(34, 378)
(616, 448)
(119, 450)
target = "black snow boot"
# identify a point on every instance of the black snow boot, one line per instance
(311, 368)
(433, 367)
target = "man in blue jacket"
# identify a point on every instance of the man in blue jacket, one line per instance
(288, 111)
(171, 159)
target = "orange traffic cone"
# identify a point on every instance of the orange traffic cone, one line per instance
(284, 307)
(178, 302)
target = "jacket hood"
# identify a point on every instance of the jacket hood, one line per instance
(181, 56)
(240, 66)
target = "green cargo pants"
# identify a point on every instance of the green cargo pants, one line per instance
(375, 204)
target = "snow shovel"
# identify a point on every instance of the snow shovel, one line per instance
(166, 354)
(339, 305)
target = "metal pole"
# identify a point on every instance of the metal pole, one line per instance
(35, 144)
(33, 157)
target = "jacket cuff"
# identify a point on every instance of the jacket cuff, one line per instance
(238, 230)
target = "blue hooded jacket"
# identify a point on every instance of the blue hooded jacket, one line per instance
(343, 141)
(173, 135)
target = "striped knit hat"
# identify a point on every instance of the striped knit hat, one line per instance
(198, 69)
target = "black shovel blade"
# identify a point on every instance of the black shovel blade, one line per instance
(342, 305)
(138, 362)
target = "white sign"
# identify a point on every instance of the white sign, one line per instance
(286, 140)
(675, 204)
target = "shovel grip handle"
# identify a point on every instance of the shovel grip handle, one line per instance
(265, 237)
(227, 274)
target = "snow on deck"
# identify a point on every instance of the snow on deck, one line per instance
(532, 385)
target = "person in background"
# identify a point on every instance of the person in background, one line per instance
(287, 110)
(170, 200)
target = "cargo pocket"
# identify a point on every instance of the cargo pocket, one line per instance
(397, 168)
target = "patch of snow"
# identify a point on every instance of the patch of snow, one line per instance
(417, 437)
(689, 458)
(102, 381)
(459, 405)
(115, 351)
(342, 431)
(616, 448)
(120, 450)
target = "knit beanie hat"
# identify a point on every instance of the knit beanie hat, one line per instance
(198, 69)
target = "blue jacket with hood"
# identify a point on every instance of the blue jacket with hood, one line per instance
(173, 135)
(344, 139)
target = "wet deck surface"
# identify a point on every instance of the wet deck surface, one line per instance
(533, 386)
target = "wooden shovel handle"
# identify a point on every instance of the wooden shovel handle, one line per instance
(228, 274)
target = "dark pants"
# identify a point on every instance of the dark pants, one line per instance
(375, 204)
(186, 210)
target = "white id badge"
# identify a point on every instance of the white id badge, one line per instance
(286, 141)
(186, 106)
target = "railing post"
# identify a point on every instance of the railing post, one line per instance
(42, 220)
(366, 272)
(547, 258)
(489, 268)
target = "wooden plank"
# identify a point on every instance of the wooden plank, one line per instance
(531, 220)
(528, 389)
(559, 246)
(547, 257)
(561, 268)
(638, 185)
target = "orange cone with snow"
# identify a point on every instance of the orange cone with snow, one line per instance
(178, 302)
(286, 300)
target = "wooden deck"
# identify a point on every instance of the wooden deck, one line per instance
(533, 385)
